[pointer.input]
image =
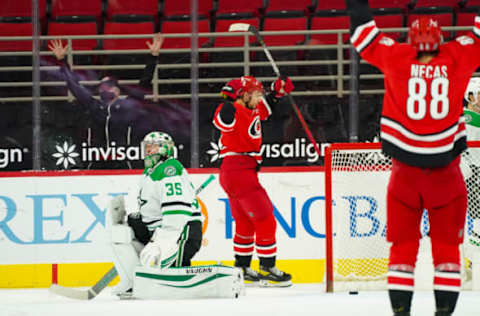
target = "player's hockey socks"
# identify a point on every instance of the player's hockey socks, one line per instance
(400, 290)
(446, 285)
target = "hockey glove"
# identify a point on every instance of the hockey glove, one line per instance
(151, 255)
(282, 87)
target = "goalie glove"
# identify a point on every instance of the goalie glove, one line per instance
(282, 87)
(151, 255)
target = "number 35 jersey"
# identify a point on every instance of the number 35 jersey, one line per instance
(166, 199)
(422, 122)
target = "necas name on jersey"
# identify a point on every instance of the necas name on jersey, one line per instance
(428, 71)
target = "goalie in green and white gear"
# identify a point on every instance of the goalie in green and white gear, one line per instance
(167, 229)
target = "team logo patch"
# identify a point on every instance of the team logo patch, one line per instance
(170, 171)
(468, 118)
(255, 129)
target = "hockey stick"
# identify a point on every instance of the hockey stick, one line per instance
(88, 294)
(244, 27)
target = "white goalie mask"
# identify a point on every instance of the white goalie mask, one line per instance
(472, 93)
(157, 146)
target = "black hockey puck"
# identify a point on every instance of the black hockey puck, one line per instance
(353, 292)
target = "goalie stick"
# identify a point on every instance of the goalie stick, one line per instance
(88, 294)
(244, 27)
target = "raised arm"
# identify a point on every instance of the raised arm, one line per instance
(359, 13)
(147, 75)
(83, 96)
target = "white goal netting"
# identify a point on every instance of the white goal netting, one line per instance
(358, 177)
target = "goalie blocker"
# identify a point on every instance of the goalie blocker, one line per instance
(211, 281)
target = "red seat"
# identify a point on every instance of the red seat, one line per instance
(183, 27)
(389, 21)
(465, 19)
(88, 28)
(21, 8)
(232, 41)
(239, 7)
(182, 8)
(289, 5)
(444, 19)
(436, 3)
(127, 28)
(475, 3)
(84, 8)
(329, 5)
(147, 8)
(400, 4)
(282, 24)
(329, 23)
(16, 29)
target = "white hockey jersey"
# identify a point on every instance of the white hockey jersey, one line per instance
(167, 202)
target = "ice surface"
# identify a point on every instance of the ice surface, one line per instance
(300, 299)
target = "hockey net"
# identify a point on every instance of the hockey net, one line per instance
(356, 178)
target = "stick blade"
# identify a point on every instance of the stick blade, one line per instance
(239, 27)
(70, 292)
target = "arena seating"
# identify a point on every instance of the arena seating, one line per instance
(181, 26)
(279, 8)
(132, 10)
(238, 9)
(16, 29)
(87, 28)
(127, 28)
(175, 9)
(84, 10)
(20, 10)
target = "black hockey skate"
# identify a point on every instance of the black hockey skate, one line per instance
(272, 277)
(250, 276)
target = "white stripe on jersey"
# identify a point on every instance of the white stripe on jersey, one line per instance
(222, 125)
(360, 30)
(476, 26)
(424, 138)
(267, 106)
(422, 150)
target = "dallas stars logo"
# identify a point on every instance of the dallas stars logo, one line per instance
(65, 155)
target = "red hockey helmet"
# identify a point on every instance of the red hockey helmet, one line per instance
(250, 84)
(425, 34)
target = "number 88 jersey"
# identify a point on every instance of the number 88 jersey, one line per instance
(422, 117)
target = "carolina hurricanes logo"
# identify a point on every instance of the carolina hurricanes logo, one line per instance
(255, 129)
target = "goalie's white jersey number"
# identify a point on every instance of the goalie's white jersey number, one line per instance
(416, 103)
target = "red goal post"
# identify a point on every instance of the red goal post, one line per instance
(356, 177)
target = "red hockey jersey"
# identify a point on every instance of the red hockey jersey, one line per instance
(422, 123)
(243, 136)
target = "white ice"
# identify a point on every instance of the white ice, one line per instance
(300, 299)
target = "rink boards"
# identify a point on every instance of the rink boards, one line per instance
(52, 223)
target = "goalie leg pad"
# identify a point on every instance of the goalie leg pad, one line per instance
(214, 281)
(124, 255)
(116, 210)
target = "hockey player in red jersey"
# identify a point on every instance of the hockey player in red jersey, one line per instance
(241, 138)
(423, 130)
